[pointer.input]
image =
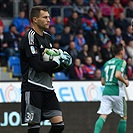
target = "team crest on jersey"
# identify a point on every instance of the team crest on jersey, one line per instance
(33, 51)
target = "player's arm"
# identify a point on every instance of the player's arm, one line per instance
(60, 68)
(120, 69)
(102, 81)
(32, 53)
(118, 75)
(40, 66)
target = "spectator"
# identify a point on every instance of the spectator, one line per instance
(52, 32)
(21, 22)
(117, 37)
(76, 72)
(121, 22)
(79, 40)
(1, 23)
(130, 68)
(65, 2)
(72, 50)
(107, 52)
(103, 37)
(89, 22)
(105, 8)
(97, 74)
(80, 7)
(110, 28)
(59, 25)
(55, 11)
(67, 10)
(100, 20)
(4, 48)
(6, 8)
(24, 5)
(75, 22)
(93, 6)
(65, 38)
(96, 55)
(129, 10)
(90, 28)
(125, 3)
(89, 68)
(13, 39)
(37, 2)
(129, 49)
(26, 29)
(84, 53)
(128, 35)
(117, 8)
(56, 44)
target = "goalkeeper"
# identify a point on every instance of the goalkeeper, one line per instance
(38, 61)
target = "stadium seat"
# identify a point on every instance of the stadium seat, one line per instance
(13, 60)
(60, 76)
(16, 70)
(14, 66)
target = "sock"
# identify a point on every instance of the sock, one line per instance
(122, 126)
(99, 124)
(57, 127)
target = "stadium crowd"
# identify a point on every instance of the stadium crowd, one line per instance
(87, 31)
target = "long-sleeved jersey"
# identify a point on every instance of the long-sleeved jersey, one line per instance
(36, 74)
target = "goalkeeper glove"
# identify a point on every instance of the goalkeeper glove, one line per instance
(66, 59)
(51, 55)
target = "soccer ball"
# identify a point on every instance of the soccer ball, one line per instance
(49, 54)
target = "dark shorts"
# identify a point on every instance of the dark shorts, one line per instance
(39, 106)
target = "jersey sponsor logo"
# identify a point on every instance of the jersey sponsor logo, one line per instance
(33, 51)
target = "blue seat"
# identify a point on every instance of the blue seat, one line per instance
(14, 66)
(16, 70)
(13, 60)
(60, 76)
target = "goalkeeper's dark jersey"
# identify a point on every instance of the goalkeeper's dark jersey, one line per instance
(32, 45)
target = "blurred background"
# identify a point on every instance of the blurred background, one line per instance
(86, 29)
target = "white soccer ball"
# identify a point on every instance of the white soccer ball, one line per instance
(49, 54)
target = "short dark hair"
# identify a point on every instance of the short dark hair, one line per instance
(35, 11)
(11, 25)
(116, 48)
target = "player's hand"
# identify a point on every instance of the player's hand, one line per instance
(126, 83)
(66, 59)
(51, 55)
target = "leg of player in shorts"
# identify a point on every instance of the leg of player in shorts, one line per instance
(120, 107)
(109, 103)
(38, 106)
(104, 110)
(53, 112)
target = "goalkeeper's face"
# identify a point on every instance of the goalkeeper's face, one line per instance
(43, 21)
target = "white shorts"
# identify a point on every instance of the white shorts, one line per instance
(115, 103)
